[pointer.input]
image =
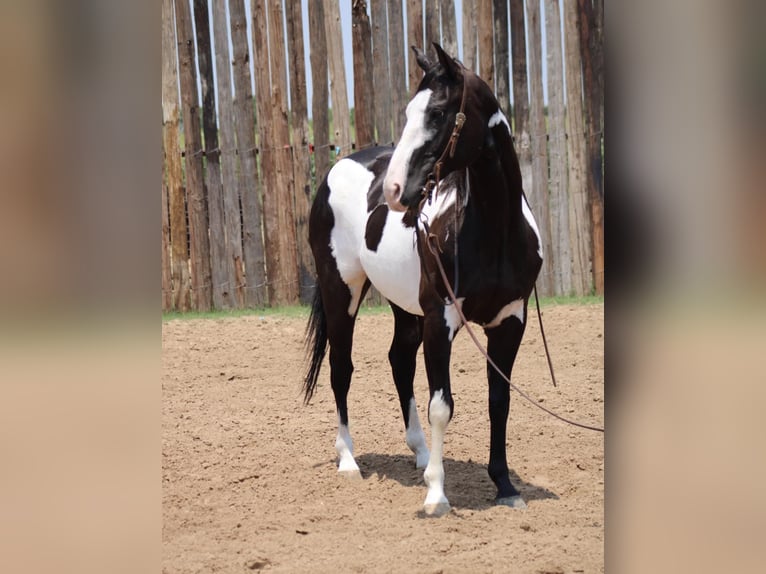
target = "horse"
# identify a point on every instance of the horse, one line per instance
(450, 189)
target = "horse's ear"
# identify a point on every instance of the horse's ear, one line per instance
(450, 65)
(421, 58)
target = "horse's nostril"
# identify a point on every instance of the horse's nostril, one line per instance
(397, 190)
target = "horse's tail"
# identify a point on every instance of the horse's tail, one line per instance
(316, 344)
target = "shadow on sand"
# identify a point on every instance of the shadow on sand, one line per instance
(467, 483)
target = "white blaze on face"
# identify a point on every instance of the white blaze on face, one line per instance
(414, 136)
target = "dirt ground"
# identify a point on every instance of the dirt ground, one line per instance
(249, 475)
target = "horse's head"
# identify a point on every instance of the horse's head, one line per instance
(446, 88)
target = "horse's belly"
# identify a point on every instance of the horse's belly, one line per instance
(391, 261)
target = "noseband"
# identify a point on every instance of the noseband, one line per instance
(434, 177)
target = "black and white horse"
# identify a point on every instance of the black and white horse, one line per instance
(367, 227)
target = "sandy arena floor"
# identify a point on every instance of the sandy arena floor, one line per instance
(249, 476)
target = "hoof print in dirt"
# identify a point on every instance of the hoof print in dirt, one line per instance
(436, 510)
(351, 474)
(511, 501)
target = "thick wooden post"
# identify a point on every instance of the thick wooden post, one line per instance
(167, 281)
(285, 282)
(222, 271)
(363, 91)
(538, 194)
(558, 150)
(195, 191)
(301, 160)
(380, 73)
(433, 34)
(228, 143)
(319, 105)
(502, 74)
(397, 68)
(414, 38)
(484, 30)
(266, 144)
(470, 48)
(590, 53)
(248, 185)
(520, 92)
(449, 28)
(340, 115)
(179, 252)
(579, 211)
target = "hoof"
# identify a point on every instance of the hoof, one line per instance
(421, 460)
(437, 509)
(511, 501)
(351, 474)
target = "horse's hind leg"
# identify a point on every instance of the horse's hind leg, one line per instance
(502, 345)
(408, 334)
(341, 316)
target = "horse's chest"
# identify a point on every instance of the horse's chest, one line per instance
(390, 259)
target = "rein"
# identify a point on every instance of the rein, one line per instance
(433, 184)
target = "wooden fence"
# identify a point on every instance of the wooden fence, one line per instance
(238, 182)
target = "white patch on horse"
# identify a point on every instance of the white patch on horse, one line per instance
(415, 438)
(498, 117)
(439, 205)
(452, 317)
(413, 137)
(345, 447)
(514, 308)
(439, 415)
(532, 223)
(394, 267)
(349, 182)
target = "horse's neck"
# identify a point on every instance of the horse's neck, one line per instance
(494, 181)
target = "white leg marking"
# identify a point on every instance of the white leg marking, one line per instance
(452, 317)
(514, 308)
(498, 117)
(532, 223)
(345, 447)
(438, 413)
(415, 437)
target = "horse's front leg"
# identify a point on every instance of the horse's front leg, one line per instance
(438, 330)
(502, 345)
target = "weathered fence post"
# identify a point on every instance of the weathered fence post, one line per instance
(222, 272)
(502, 75)
(228, 144)
(340, 113)
(284, 277)
(484, 30)
(195, 192)
(167, 281)
(431, 16)
(179, 252)
(380, 73)
(363, 91)
(319, 105)
(301, 158)
(469, 36)
(558, 151)
(590, 49)
(579, 212)
(249, 186)
(449, 28)
(539, 197)
(414, 38)
(397, 65)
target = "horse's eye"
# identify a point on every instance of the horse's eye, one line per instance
(437, 114)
